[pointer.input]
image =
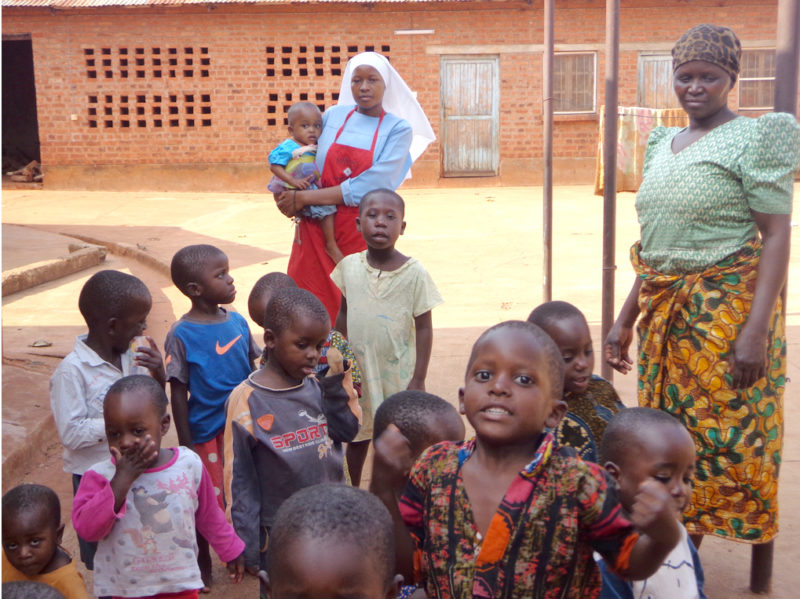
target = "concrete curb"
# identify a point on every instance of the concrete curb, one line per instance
(23, 458)
(30, 275)
(129, 251)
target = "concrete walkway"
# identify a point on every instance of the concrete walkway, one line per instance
(482, 246)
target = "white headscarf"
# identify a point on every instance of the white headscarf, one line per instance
(397, 99)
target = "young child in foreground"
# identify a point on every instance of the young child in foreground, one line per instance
(506, 514)
(331, 541)
(32, 532)
(115, 306)
(285, 428)
(209, 352)
(387, 299)
(292, 163)
(646, 444)
(146, 504)
(423, 419)
(260, 295)
(591, 400)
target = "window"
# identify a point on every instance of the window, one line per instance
(574, 82)
(757, 80)
(655, 82)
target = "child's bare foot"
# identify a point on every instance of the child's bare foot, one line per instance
(334, 252)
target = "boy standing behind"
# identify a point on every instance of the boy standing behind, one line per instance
(209, 352)
(387, 299)
(115, 306)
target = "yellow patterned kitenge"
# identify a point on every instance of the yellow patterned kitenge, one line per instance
(698, 262)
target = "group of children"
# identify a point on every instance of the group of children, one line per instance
(559, 484)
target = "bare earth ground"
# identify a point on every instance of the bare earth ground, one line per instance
(482, 246)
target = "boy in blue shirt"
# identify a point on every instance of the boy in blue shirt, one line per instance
(209, 352)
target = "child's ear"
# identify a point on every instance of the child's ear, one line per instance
(393, 589)
(59, 533)
(557, 413)
(461, 409)
(612, 469)
(193, 289)
(269, 338)
(358, 224)
(403, 228)
(165, 424)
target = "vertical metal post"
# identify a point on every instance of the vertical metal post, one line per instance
(547, 117)
(610, 172)
(786, 71)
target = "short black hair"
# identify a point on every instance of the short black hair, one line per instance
(544, 315)
(29, 497)
(290, 302)
(383, 191)
(623, 432)
(555, 363)
(338, 512)
(413, 412)
(189, 262)
(110, 294)
(294, 108)
(143, 382)
(270, 282)
(30, 589)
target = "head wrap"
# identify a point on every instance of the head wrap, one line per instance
(710, 43)
(397, 99)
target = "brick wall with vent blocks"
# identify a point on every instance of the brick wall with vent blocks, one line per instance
(196, 85)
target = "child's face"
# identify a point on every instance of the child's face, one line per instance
(380, 221)
(130, 416)
(573, 338)
(305, 125)
(665, 453)
(326, 569)
(30, 540)
(124, 329)
(508, 394)
(295, 351)
(216, 283)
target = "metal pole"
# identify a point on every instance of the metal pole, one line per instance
(610, 173)
(786, 59)
(547, 117)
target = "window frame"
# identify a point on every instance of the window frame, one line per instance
(593, 54)
(741, 79)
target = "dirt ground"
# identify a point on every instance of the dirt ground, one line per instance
(482, 246)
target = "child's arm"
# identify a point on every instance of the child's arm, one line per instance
(390, 467)
(70, 411)
(424, 325)
(211, 523)
(653, 515)
(343, 423)
(280, 172)
(150, 358)
(179, 398)
(99, 502)
(341, 318)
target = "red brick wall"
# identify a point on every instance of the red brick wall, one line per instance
(237, 90)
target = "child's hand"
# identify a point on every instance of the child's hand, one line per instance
(300, 183)
(393, 460)
(149, 357)
(654, 513)
(236, 569)
(135, 460)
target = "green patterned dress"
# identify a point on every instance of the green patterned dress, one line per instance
(698, 263)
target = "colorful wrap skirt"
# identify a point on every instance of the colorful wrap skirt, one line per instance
(687, 330)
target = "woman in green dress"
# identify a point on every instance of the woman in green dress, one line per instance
(714, 210)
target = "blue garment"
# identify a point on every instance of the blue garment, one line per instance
(211, 359)
(282, 155)
(616, 588)
(391, 159)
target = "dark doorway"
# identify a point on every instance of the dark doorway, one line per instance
(20, 125)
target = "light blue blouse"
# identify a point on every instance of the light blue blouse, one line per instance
(391, 160)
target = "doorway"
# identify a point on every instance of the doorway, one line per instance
(20, 123)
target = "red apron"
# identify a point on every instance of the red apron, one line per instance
(309, 264)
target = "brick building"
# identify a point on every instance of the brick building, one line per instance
(190, 94)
